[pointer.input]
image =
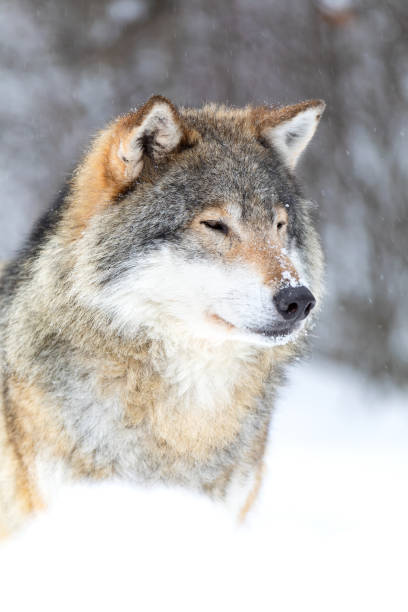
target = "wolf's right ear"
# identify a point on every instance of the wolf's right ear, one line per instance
(119, 152)
(155, 130)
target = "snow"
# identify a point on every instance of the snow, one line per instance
(329, 531)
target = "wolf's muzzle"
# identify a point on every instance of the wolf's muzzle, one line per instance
(294, 303)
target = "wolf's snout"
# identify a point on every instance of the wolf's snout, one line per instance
(294, 303)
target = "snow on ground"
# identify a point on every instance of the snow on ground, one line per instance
(329, 531)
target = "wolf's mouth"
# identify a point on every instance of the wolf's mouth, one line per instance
(275, 331)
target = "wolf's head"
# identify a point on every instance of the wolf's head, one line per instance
(191, 221)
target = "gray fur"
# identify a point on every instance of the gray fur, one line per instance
(53, 338)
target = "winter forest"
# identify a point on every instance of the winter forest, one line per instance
(330, 531)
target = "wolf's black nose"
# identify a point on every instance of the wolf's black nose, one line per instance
(294, 303)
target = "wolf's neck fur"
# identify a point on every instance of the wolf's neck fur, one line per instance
(191, 394)
(203, 374)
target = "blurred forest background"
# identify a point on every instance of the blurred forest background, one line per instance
(68, 67)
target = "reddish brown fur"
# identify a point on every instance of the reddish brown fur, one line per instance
(106, 170)
(267, 117)
(253, 495)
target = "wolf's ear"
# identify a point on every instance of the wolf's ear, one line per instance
(155, 130)
(119, 152)
(290, 129)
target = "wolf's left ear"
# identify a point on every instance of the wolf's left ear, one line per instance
(290, 129)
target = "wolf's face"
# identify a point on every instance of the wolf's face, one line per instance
(208, 235)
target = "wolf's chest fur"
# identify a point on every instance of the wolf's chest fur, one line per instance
(170, 407)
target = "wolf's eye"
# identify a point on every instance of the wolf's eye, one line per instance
(218, 226)
(280, 225)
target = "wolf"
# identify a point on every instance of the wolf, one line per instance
(146, 323)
